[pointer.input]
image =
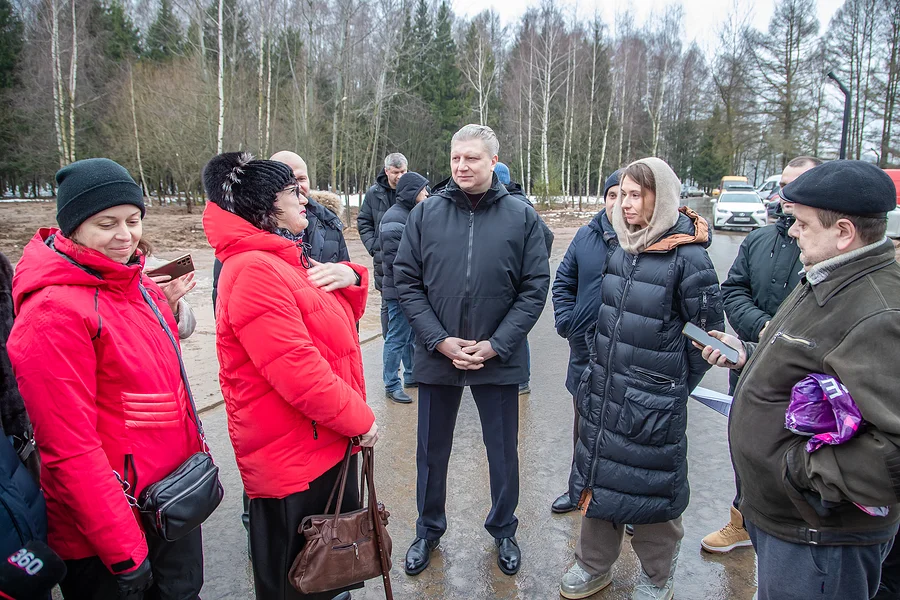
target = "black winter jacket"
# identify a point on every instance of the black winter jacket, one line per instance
(479, 274)
(766, 270)
(576, 290)
(379, 198)
(392, 225)
(631, 455)
(324, 234)
(517, 192)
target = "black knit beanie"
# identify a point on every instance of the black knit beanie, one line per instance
(612, 181)
(246, 187)
(87, 187)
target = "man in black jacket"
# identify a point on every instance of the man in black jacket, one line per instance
(472, 274)
(766, 270)
(379, 198)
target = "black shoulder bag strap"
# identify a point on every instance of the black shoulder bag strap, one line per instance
(184, 378)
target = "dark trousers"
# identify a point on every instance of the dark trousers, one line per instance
(732, 383)
(498, 408)
(384, 318)
(889, 588)
(177, 573)
(274, 538)
(801, 571)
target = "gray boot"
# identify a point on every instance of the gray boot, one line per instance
(645, 590)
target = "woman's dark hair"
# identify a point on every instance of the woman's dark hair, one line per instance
(642, 175)
(246, 187)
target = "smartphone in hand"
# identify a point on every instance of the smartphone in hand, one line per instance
(179, 267)
(694, 333)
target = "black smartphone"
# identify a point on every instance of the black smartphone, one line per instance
(704, 339)
(179, 267)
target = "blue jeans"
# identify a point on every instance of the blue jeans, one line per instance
(398, 346)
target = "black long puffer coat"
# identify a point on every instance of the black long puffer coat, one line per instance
(631, 456)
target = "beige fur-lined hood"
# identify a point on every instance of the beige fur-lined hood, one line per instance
(665, 212)
(329, 200)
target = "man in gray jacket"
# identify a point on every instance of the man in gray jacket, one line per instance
(804, 511)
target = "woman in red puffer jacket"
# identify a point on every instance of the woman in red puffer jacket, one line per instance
(102, 382)
(290, 362)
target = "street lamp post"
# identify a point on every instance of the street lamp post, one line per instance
(846, 125)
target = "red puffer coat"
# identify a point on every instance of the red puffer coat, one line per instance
(101, 381)
(290, 365)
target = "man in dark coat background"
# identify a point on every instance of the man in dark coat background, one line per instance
(516, 191)
(379, 198)
(766, 270)
(472, 274)
(399, 340)
(576, 299)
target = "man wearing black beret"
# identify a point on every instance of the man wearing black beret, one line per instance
(803, 510)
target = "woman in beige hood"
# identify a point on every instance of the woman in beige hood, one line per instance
(631, 456)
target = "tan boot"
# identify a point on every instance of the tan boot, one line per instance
(729, 537)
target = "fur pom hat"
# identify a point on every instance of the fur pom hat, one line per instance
(246, 187)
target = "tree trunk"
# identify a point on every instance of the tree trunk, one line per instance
(893, 82)
(73, 79)
(259, 86)
(268, 150)
(137, 138)
(221, 84)
(601, 181)
(57, 86)
(590, 142)
(530, 113)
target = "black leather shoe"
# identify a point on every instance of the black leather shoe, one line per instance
(563, 504)
(400, 397)
(509, 557)
(419, 555)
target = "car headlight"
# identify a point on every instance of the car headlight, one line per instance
(761, 211)
(721, 211)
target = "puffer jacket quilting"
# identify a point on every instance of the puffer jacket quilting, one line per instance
(631, 456)
(379, 198)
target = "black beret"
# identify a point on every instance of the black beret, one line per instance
(852, 187)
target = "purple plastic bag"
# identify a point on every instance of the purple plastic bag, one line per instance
(821, 407)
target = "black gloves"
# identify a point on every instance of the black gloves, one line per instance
(135, 582)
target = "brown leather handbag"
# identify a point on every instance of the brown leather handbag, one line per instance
(349, 548)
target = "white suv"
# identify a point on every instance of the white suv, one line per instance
(739, 209)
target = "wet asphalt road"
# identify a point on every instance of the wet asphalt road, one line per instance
(464, 566)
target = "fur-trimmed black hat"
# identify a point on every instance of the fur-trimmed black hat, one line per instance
(246, 187)
(851, 187)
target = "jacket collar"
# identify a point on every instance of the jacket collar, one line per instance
(50, 258)
(867, 260)
(230, 235)
(602, 225)
(453, 193)
(690, 228)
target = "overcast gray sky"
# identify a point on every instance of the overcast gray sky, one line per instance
(702, 18)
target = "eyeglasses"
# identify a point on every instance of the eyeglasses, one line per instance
(294, 188)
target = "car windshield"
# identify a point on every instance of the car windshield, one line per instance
(744, 198)
(738, 186)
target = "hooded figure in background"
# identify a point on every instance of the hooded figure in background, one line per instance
(631, 456)
(399, 340)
